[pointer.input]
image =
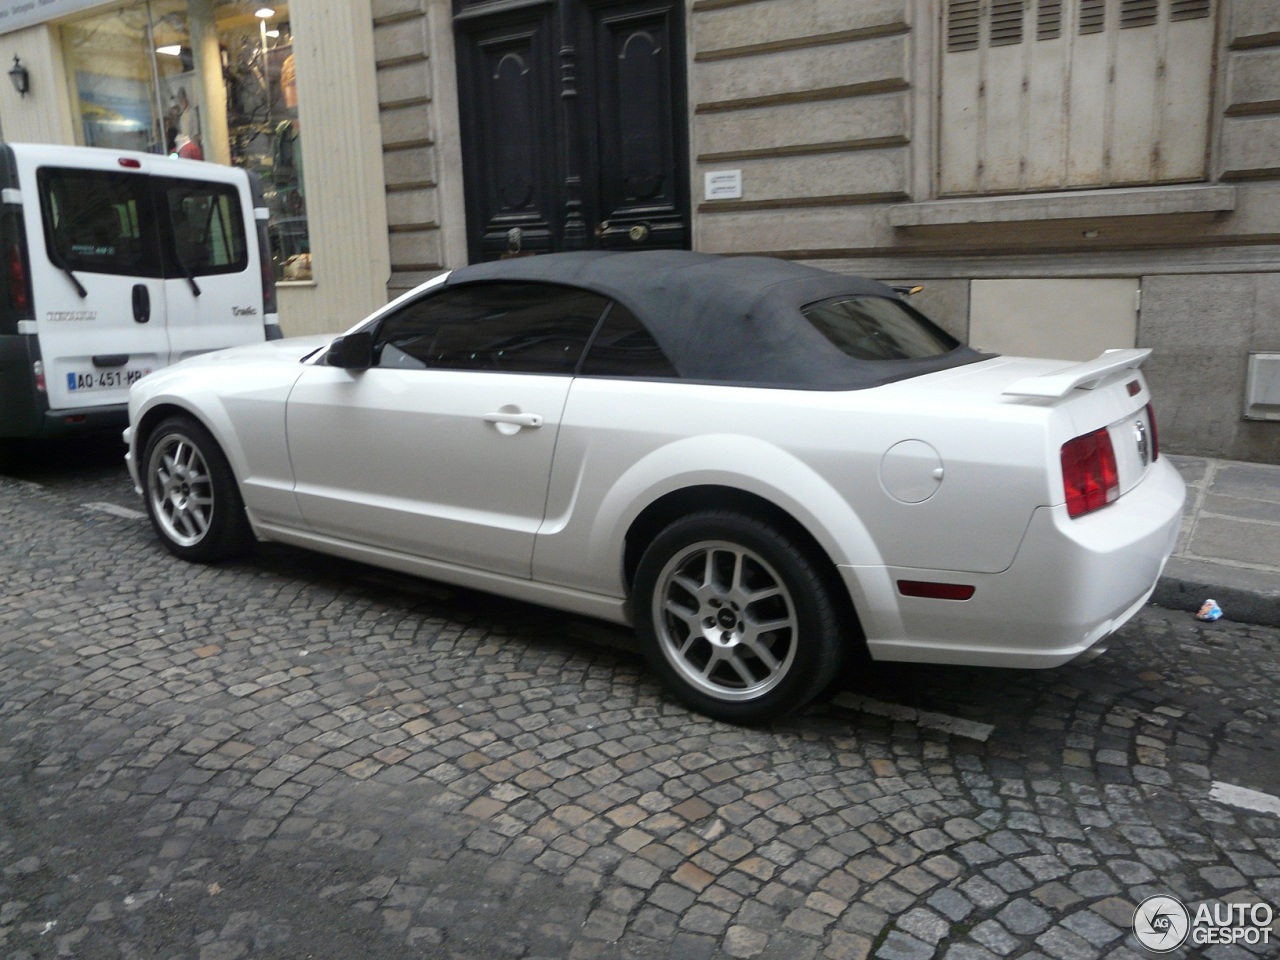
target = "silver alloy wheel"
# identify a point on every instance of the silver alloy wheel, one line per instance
(180, 489)
(725, 620)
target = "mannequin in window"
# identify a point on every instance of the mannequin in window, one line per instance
(186, 125)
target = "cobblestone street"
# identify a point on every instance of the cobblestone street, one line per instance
(297, 757)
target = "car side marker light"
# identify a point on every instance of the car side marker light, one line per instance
(931, 590)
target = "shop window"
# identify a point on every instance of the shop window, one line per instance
(141, 81)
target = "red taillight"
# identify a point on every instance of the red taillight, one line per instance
(1089, 475)
(18, 294)
(1155, 434)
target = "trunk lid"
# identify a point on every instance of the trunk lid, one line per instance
(1077, 399)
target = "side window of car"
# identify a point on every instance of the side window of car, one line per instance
(205, 227)
(501, 327)
(624, 348)
(99, 221)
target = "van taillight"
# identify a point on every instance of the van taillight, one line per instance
(1089, 475)
(37, 375)
(1155, 434)
(19, 295)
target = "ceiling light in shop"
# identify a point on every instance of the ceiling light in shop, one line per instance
(264, 13)
(173, 50)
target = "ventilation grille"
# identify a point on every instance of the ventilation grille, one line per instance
(1006, 21)
(1138, 13)
(1093, 16)
(1191, 9)
(962, 25)
(1049, 20)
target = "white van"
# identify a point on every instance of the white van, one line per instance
(116, 264)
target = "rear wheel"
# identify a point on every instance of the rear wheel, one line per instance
(191, 493)
(736, 618)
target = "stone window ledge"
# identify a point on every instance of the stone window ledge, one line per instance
(1067, 205)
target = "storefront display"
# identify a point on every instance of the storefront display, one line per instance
(203, 79)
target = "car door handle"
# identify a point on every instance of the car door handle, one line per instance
(141, 303)
(518, 419)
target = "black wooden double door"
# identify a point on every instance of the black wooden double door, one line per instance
(573, 125)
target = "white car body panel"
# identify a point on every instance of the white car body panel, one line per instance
(944, 477)
(1073, 582)
(239, 395)
(452, 485)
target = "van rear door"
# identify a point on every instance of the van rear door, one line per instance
(213, 285)
(95, 260)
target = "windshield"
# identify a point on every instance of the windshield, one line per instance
(878, 328)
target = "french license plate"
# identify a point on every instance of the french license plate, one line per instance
(104, 379)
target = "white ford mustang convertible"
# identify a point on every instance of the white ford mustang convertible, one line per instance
(765, 468)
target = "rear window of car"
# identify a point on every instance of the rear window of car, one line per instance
(878, 328)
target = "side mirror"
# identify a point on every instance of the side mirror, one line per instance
(352, 352)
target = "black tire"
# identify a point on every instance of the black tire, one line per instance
(703, 589)
(191, 494)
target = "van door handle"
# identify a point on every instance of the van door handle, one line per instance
(110, 360)
(141, 303)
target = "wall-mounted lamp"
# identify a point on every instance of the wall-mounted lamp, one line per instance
(20, 76)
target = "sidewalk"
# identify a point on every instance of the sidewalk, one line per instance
(1230, 544)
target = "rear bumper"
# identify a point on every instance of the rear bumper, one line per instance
(1071, 584)
(80, 420)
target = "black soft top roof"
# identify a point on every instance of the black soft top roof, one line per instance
(734, 319)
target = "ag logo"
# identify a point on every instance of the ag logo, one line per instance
(1161, 924)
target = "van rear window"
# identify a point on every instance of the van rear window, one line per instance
(99, 221)
(206, 226)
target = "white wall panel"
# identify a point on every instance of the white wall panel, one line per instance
(1064, 319)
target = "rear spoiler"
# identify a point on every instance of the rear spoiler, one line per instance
(1085, 375)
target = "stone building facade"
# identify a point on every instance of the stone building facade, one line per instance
(1062, 176)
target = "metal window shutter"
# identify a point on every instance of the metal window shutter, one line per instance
(1138, 13)
(1190, 9)
(962, 25)
(1006, 21)
(1093, 16)
(1049, 20)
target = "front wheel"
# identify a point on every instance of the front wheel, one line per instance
(191, 493)
(736, 618)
